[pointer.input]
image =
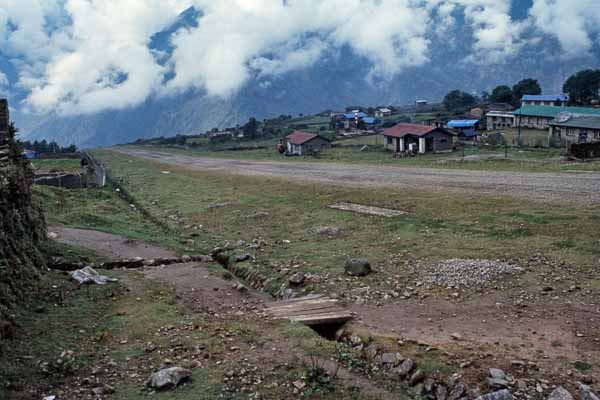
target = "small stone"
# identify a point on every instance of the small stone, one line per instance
(417, 377)
(458, 391)
(169, 378)
(441, 392)
(406, 367)
(497, 373)
(456, 336)
(297, 279)
(497, 383)
(503, 394)
(243, 257)
(391, 359)
(357, 267)
(560, 393)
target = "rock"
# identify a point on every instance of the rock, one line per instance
(586, 393)
(357, 267)
(243, 257)
(390, 359)
(441, 392)
(456, 336)
(560, 393)
(406, 367)
(331, 231)
(429, 386)
(417, 377)
(503, 394)
(169, 378)
(52, 235)
(102, 390)
(297, 279)
(497, 373)
(496, 383)
(458, 391)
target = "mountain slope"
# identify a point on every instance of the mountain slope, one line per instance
(334, 81)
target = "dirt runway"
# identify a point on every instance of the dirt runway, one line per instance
(582, 188)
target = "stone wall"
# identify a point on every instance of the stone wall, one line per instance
(22, 228)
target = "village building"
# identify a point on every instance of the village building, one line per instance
(421, 103)
(552, 100)
(499, 120)
(477, 112)
(303, 143)
(417, 138)
(466, 129)
(569, 129)
(383, 112)
(540, 117)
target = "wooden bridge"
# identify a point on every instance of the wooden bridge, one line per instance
(310, 310)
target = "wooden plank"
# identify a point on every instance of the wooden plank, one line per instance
(304, 304)
(322, 319)
(296, 300)
(309, 311)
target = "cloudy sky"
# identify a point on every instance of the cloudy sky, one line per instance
(84, 56)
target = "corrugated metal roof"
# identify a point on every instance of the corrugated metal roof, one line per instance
(588, 122)
(352, 115)
(463, 123)
(370, 120)
(401, 130)
(545, 97)
(552, 112)
(299, 137)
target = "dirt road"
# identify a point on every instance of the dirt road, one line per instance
(581, 188)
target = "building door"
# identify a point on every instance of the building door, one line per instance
(429, 145)
(397, 145)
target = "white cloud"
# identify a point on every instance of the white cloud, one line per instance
(84, 56)
(571, 22)
(3, 80)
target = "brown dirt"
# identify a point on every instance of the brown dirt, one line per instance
(108, 245)
(205, 291)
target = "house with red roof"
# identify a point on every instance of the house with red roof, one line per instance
(416, 138)
(302, 143)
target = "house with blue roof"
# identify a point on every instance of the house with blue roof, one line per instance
(465, 128)
(550, 100)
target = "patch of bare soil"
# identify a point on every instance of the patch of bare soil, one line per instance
(368, 210)
(113, 246)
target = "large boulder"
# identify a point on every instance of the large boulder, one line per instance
(586, 393)
(169, 378)
(560, 393)
(357, 267)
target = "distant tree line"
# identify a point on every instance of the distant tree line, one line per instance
(582, 87)
(44, 147)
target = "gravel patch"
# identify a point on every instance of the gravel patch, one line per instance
(469, 273)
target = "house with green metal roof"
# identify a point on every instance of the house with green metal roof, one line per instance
(539, 117)
(567, 129)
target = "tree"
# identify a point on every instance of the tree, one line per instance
(250, 128)
(502, 94)
(583, 86)
(525, 86)
(457, 100)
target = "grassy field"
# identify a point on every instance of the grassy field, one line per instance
(284, 214)
(65, 165)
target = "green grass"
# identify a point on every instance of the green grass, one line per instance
(437, 226)
(66, 165)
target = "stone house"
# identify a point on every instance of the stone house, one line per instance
(417, 138)
(383, 112)
(302, 143)
(551, 100)
(569, 129)
(499, 120)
